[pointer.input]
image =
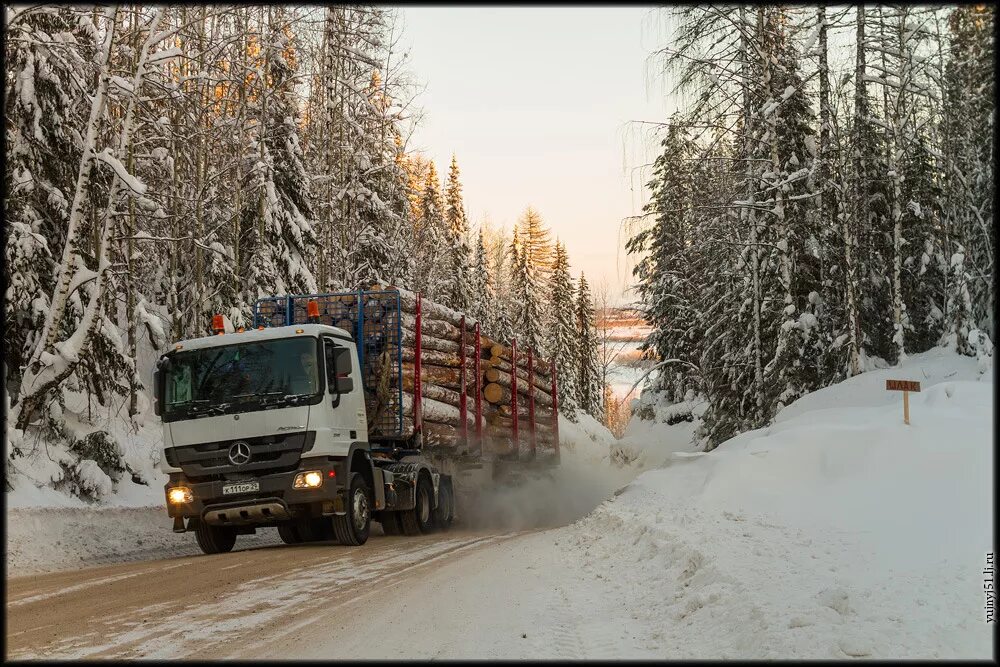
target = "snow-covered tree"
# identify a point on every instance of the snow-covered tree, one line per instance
(456, 290)
(360, 192)
(562, 340)
(481, 292)
(430, 237)
(591, 393)
(526, 296)
(276, 231)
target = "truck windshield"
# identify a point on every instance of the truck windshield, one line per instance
(241, 378)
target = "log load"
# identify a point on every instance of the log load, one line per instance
(432, 327)
(523, 425)
(431, 310)
(540, 364)
(495, 392)
(542, 415)
(433, 391)
(444, 376)
(503, 378)
(442, 356)
(436, 411)
(428, 342)
(437, 358)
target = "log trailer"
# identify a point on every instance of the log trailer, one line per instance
(336, 410)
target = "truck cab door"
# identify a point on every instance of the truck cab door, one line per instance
(344, 392)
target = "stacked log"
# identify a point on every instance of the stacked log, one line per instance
(442, 359)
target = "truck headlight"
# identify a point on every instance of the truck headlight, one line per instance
(308, 480)
(179, 495)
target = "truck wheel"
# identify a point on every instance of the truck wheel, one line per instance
(445, 511)
(352, 529)
(390, 523)
(289, 534)
(421, 518)
(215, 539)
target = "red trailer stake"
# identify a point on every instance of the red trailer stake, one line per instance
(417, 386)
(555, 409)
(513, 395)
(531, 403)
(462, 408)
(479, 394)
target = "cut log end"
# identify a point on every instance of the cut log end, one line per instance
(494, 393)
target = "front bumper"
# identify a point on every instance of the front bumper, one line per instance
(274, 501)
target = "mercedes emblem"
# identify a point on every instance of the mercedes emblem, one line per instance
(239, 453)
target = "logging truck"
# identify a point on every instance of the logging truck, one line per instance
(336, 410)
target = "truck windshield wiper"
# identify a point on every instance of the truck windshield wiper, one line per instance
(286, 399)
(208, 409)
(259, 394)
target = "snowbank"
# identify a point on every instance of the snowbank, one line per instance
(117, 469)
(657, 430)
(47, 539)
(836, 532)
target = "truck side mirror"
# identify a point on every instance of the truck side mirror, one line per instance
(338, 369)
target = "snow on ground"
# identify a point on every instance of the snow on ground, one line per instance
(49, 539)
(837, 532)
(46, 474)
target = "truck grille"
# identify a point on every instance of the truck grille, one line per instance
(268, 454)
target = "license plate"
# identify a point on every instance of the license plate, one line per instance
(242, 487)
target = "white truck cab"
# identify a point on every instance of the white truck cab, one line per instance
(268, 428)
(255, 372)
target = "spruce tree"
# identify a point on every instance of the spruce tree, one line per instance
(431, 237)
(969, 112)
(526, 301)
(663, 271)
(276, 227)
(481, 297)
(591, 393)
(562, 340)
(456, 289)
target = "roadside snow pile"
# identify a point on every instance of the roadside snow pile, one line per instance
(836, 532)
(658, 429)
(60, 538)
(587, 439)
(98, 462)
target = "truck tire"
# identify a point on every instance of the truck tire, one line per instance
(289, 533)
(353, 528)
(390, 523)
(215, 539)
(420, 519)
(445, 511)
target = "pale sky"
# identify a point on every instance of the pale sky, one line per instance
(535, 104)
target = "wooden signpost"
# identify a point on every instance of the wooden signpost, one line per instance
(905, 386)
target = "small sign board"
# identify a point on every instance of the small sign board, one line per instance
(902, 385)
(905, 386)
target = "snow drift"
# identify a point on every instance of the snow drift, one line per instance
(836, 532)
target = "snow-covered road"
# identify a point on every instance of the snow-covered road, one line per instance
(259, 602)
